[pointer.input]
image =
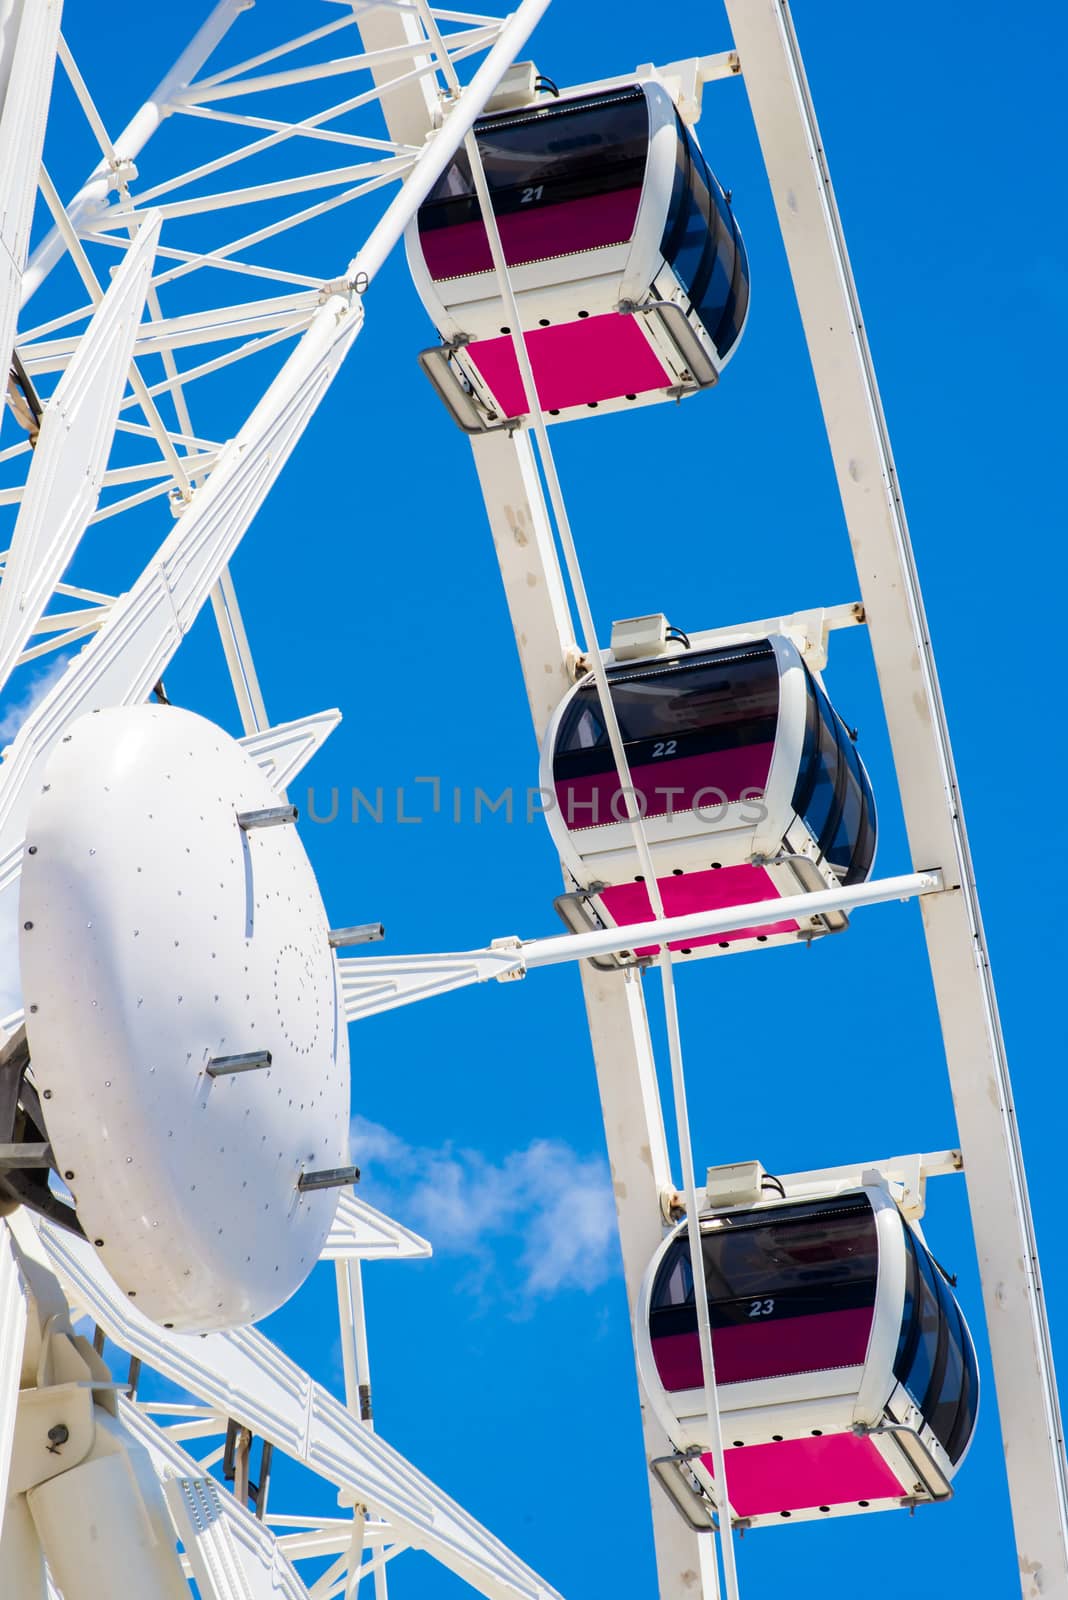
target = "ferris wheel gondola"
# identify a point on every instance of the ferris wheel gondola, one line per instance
(629, 270)
(846, 1375)
(749, 784)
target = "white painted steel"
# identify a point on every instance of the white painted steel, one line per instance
(1031, 1425)
(12, 1337)
(439, 152)
(102, 1523)
(146, 625)
(92, 196)
(611, 726)
(359, 1232)
(619, 1033)
(284, 750)
(27, 62)
(72, 449)
(156, 935)
(160, 608)
(242, 1375)
(372, 984)
(577, 946)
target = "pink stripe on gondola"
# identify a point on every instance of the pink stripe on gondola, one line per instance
(533, 235)
(574, 363)
(697, 891)
(834, 1470)
(668, 787)
(773, 1348)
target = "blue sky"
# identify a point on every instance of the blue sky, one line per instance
(503, 1366)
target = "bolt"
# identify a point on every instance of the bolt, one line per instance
(68, 1176)
(57, 1436)
(32, 850)
(27, 925)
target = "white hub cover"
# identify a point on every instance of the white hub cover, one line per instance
(155, 936)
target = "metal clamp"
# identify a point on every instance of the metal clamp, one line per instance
(459, 402)
(266, 817)
(676, 323)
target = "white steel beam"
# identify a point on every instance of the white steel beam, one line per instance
(856, 427)
(12, 1337)
(67, 470)
(27, 62)
(619, 1032)
(362, 1233)
(284, 750)
(372, 984)
(233, 1556)
(132, 140)
(244, 1376)
(412, 106)
(146, 625)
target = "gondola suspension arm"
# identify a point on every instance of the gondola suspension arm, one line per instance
(567, 542)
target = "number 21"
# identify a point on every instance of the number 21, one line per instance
(534, 192)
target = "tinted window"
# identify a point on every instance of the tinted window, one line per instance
(702, 245)
(945, 1401)
(918, 1348)
(585, 147)
(795, 1260)
(717, 700)
(832, 793)
(816, 791)
(935, 1357)
(969, 1403)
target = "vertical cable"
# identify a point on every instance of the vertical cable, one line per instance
(611, 723)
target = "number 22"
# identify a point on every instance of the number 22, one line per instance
(665, 747)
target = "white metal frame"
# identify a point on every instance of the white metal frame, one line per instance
(767, 55)
(214, 488)
(73, 475)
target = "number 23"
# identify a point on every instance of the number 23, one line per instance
(761, 1308)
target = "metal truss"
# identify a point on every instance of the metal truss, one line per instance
(767, 56)
(132, 314)
(129, 313)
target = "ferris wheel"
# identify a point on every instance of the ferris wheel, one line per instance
(176, 1156)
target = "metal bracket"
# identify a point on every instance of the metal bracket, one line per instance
(266, 817)
(460, 403)
(328, 1178)
(674, 1476)
(578, 916)
(359, 933)
(938, 1489)
(676, 323)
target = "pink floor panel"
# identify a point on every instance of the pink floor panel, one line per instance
(697, 891)
(835, 1469)
(575, 364)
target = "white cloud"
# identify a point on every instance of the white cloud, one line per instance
(544, 1210)
(13, 712)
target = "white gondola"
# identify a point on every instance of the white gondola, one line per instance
(749, 783)
(846, 1374)
(630, 273)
